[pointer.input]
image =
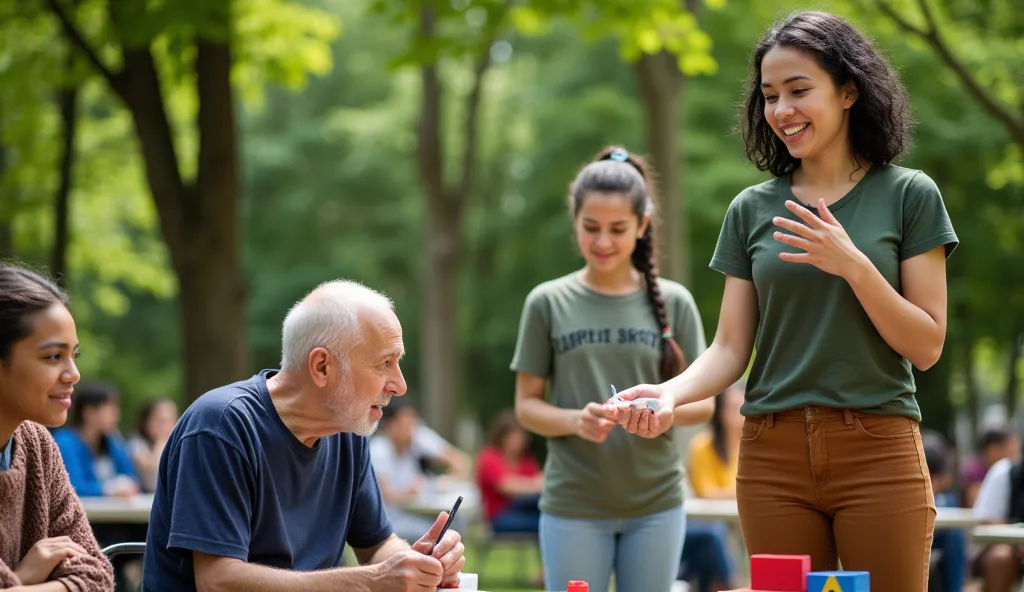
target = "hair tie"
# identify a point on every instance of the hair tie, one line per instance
(666, 333)
(619, 155)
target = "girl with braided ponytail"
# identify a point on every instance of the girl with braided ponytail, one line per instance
(610, 501)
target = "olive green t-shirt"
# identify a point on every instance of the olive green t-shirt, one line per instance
(583, 341)
(815, 344)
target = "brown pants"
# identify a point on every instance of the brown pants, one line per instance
(839, 484)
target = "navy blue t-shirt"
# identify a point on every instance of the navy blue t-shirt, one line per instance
(235, 482)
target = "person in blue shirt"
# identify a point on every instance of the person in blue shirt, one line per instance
(264, 481)
(951, 543)
(94, 453)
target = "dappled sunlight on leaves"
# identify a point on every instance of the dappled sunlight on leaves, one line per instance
(281, 42)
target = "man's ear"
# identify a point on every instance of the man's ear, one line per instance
(320, 362)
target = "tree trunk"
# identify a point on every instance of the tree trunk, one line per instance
(660, 84)
(442, 242)
(6, 213)
(933, 398)
(441, 360)
(967, 363)
(440, 353)
(67, 101)
(199, 222)
(213, 294)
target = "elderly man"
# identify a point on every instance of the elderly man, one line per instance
(263, 481)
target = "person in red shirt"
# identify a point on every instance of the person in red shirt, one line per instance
(509, 477)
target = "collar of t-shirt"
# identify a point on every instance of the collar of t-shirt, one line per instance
(5, 455)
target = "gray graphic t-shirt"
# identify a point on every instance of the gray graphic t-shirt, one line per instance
(582, 341)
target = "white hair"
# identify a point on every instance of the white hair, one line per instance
(327, 317)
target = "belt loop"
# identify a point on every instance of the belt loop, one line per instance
(848, 416)
(771, 420)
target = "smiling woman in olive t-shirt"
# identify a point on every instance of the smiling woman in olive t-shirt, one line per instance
(836, 278)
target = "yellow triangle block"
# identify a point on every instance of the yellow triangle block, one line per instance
(832, 585)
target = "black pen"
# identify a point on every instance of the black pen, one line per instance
(448, 523)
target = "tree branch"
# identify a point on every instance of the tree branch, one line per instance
(931, 35)
(76, 37)
(430, 157)
(902, 22)
(470, 130)
(473, 99)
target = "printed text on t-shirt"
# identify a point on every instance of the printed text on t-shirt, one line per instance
(622, 336)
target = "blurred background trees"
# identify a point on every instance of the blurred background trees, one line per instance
(193, 168)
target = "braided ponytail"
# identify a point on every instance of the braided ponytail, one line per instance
(644, 258)
(632, 177)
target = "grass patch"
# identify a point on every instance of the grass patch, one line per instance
(505, 568)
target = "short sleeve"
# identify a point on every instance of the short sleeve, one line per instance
(731, 256)
(689, 329)
(926, 223)
(370, 525)
(428, 442)
(491, 470)
(993, 501)
(213, 498)
(533, 353)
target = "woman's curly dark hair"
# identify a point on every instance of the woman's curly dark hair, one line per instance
(880, 120)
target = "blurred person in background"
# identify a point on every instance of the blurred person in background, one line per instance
(711, 470)
(98, 464)
(406, 456)
(950, 542)
(714, 453)
(509, 478)
(155, 421)
(1000, 500)
(94, 452)
(994, 444)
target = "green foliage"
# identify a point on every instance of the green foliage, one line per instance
(467, 27)
(328, 136)
(119, 272)
(281, 42)
(984, 38)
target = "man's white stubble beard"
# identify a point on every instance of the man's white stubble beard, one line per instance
(346, 409)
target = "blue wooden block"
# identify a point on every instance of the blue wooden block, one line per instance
(838, 581)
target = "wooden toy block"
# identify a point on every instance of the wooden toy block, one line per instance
(779, 573)
(838, 581)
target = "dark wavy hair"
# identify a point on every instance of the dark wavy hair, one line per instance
(880, 119)
(23, 294)
(616, 170)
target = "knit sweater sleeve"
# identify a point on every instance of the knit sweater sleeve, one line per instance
(86, 573)
(7, 577)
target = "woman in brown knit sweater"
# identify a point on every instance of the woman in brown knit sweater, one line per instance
(46, 544)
